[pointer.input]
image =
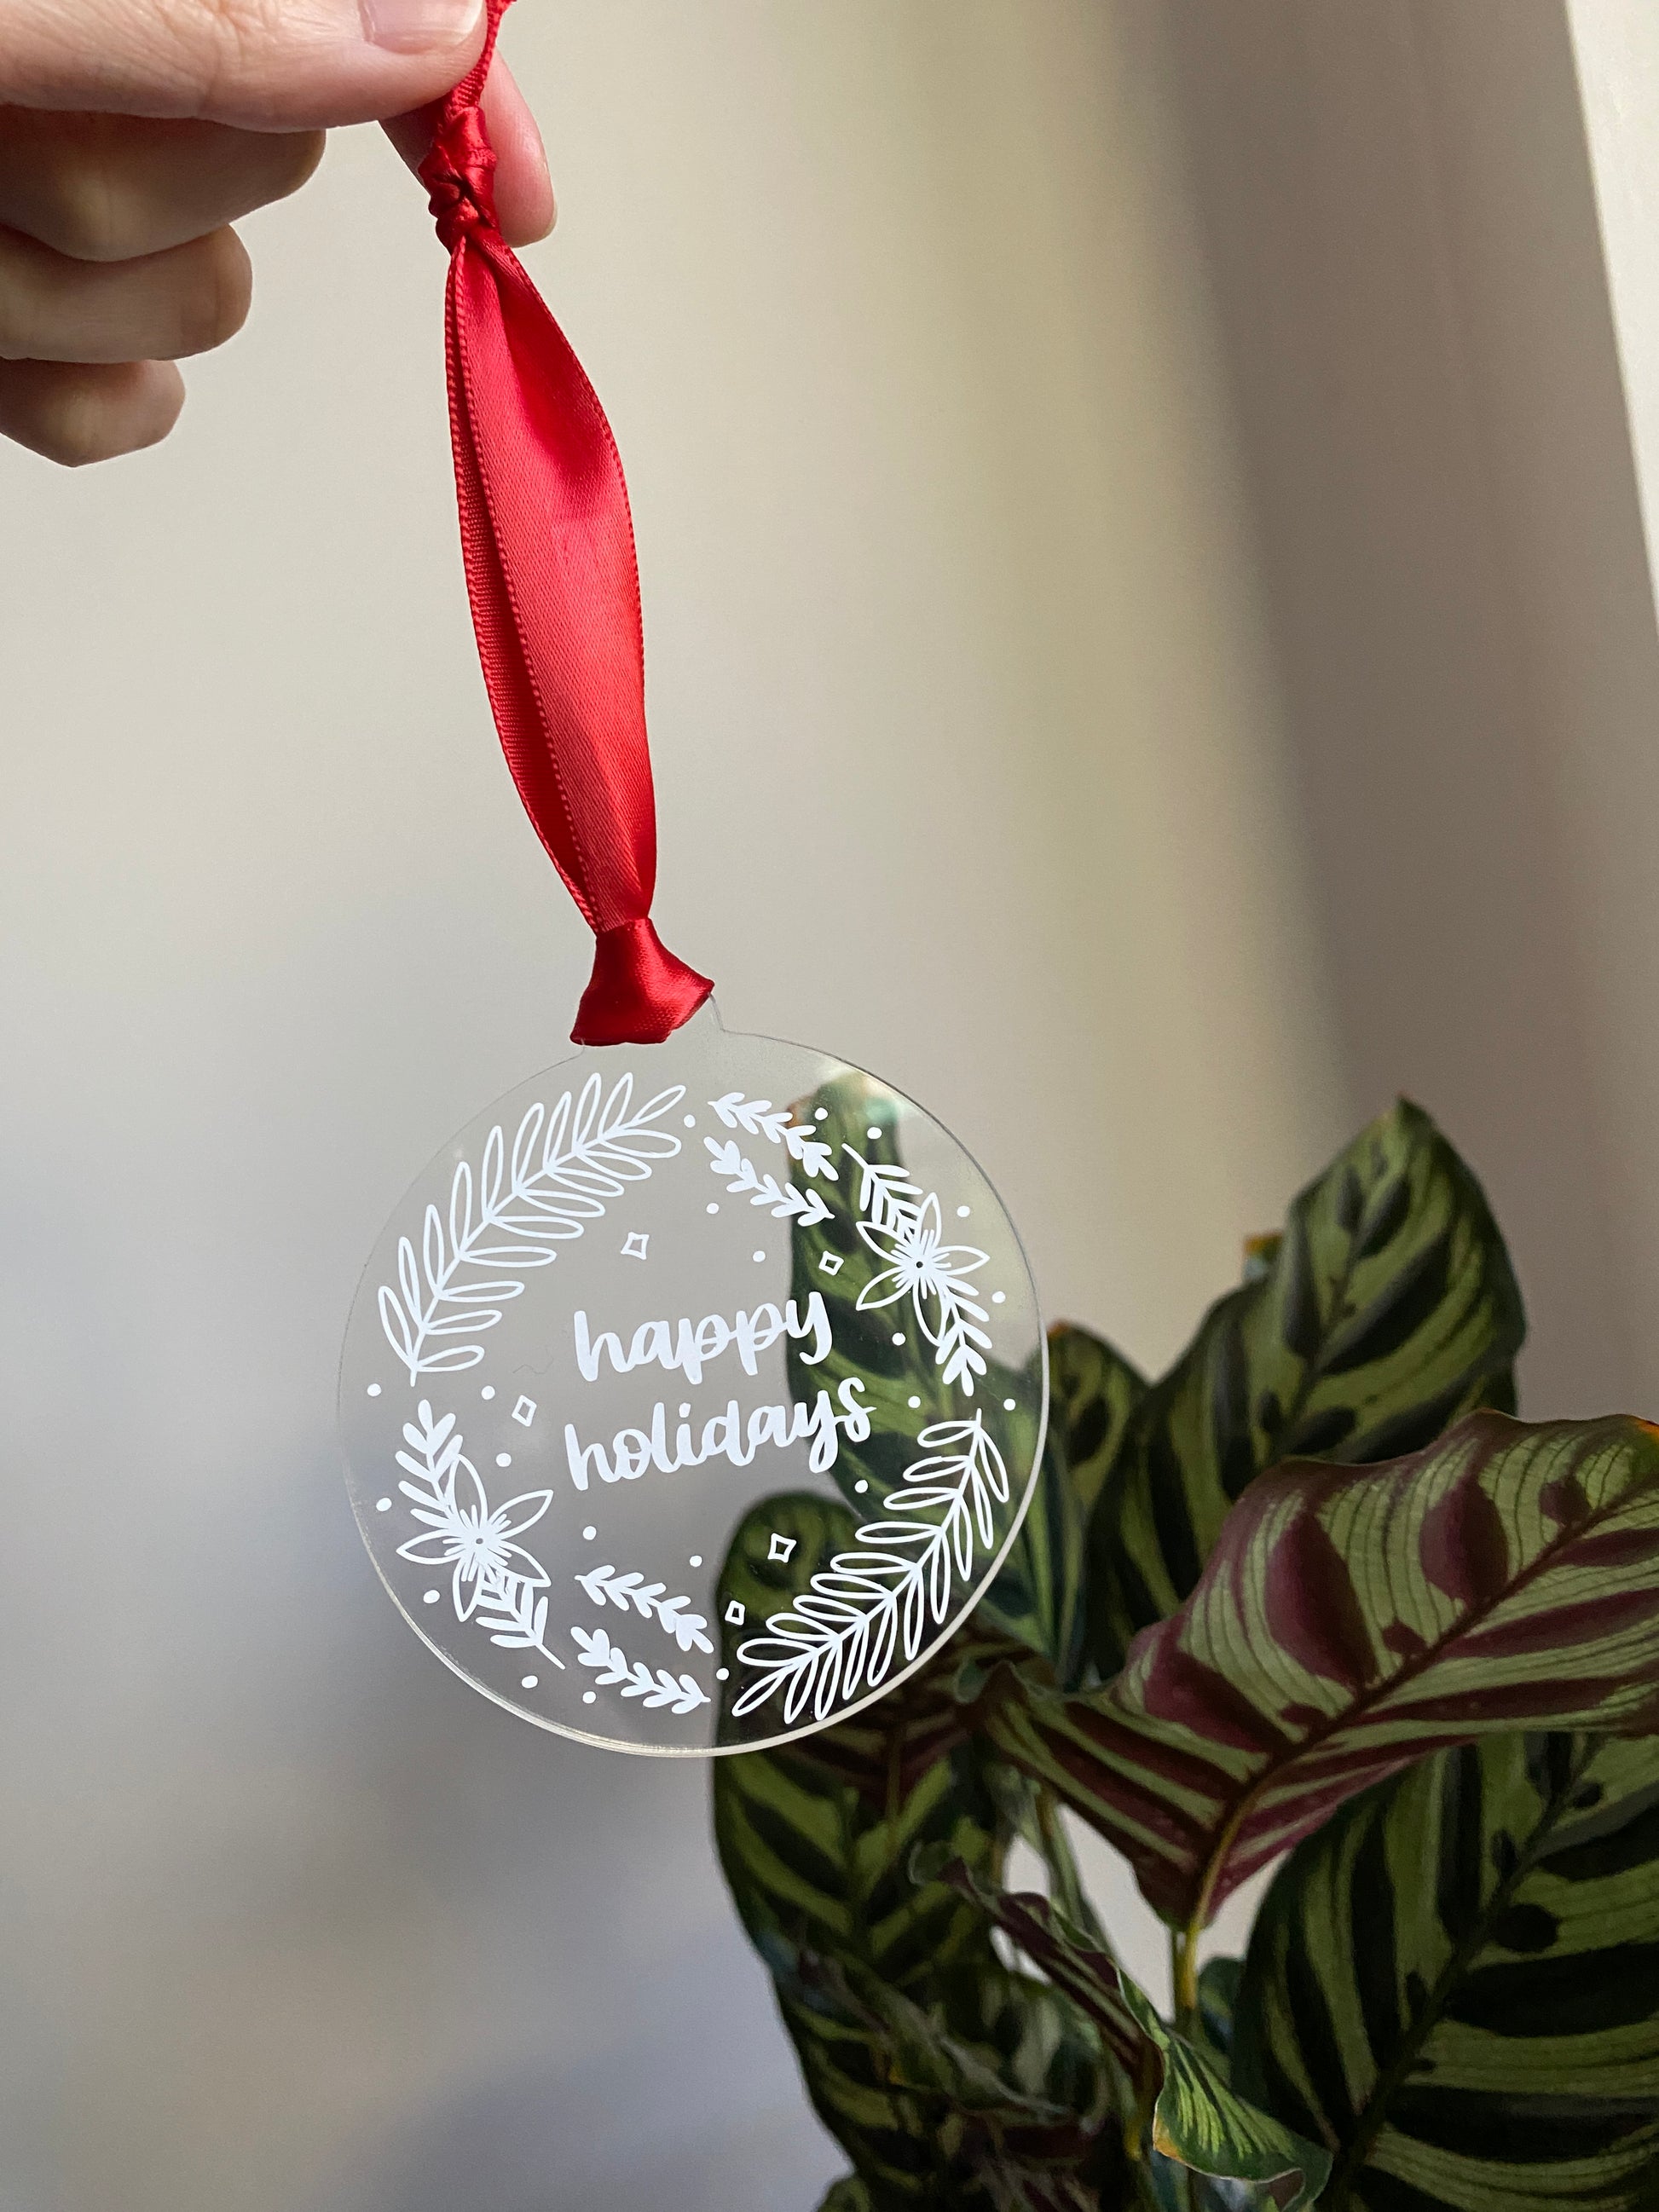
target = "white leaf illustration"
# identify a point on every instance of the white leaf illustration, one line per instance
(759, 1117)
(782, 1201)
(604, 1584)
(871, 1606)
(563, 1170)
(635, 1679)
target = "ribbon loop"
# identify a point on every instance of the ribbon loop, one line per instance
(553, 583)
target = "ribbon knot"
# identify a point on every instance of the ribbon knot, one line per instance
(458, 173)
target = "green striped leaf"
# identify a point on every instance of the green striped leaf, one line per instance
(815, 1843)
(817, 1873)
(1350, 1621)
(1037, 1594)
(847, 2195)
(1191, 2116)
(1006, 2079)
(1217, 2001)
(1455, 1985)
(1386, 1310)
(1092, 1391)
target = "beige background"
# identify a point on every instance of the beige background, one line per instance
(1151, 650)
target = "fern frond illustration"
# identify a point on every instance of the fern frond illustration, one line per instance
(782, 1201)
(605, 1584)
(872, 1608)
(564, 1168)
(759, 1117)
(681, 1693)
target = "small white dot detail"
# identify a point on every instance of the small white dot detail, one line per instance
(589, 1535)
(913, 1403)
(821, 1113)
(962, 1212)
(760, 1255)
(696, 1559)
(690, 1120)
(1007, 1405)
(712, 1206)
(872, 1134)
(383, 1505)
(488, 1390)
(860, 1487)
(373, 1390)
(588, 1696)
(722, 1674)
(530, 1681)
(503, 1459)
(429, 1597)
(685, 1413)
(898, 1336)
(999, 1297)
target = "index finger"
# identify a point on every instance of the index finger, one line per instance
(297, 65)
(524, 191)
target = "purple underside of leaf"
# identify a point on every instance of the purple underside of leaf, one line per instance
(1350, 1619)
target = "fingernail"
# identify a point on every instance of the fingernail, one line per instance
(418, 27)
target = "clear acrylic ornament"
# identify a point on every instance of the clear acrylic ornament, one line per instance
(693, 1395)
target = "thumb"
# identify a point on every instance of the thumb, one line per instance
(262, 65)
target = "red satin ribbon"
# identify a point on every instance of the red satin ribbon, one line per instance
(553, 583)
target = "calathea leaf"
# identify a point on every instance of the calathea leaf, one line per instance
(1455, 1985)
(847, 2195)
(816, 1874)
(1350, 1621)
(1187, 2112)
(1387, 1310)
(1092, 1391)
(1037, 1594)
(1217, 2001)
(1007, 2076)
(815, 1841)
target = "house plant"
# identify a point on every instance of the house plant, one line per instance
(1314, 1598)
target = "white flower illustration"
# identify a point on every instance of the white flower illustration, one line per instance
(900, 1226)
(923, 1265)
(462, 1533)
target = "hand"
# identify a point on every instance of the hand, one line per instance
(134, 132)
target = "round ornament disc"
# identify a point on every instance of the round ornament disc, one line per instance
(694, 1393)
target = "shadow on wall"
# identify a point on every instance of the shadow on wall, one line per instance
(632, 2131)
(1401, 223)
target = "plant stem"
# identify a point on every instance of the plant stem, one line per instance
(1183, 1978)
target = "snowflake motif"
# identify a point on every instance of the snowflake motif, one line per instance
(462, 1533)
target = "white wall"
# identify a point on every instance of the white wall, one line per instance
(971, 763)
(1400, 221)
